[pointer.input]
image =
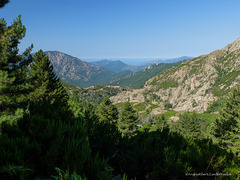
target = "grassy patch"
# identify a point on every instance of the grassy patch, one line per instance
(154, 82)
(209, 117)
(224, 80)
(141, 106)
(167, 84)
(153, 106)
(168, 114)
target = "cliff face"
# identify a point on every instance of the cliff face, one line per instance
(193, 84)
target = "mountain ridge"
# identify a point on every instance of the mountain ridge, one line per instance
(77, 72)
(118, 65)
(115, 66)
(137, 79)
(106, 72)
(194, 84)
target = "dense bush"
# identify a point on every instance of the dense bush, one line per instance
(168, 105)
(167, 155)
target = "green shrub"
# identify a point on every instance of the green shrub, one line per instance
(168, 105)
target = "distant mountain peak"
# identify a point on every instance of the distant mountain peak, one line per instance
(75, 71)
(114, 66)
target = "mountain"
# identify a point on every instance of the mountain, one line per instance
(115, 66)
(195, 83)
(77, 72)
(118, 66)
(137, 79)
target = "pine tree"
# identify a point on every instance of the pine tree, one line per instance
(46, 135)
(13, 68)
(45, 83)
(83, 110)
(189, 125)
(107, 112)
(128, 120)
(227, 127)
(76, 106)
(3, 3)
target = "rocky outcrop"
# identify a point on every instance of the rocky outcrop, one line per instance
(193, 84)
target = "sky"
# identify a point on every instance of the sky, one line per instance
(126, 28)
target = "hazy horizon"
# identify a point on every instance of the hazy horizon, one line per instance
(136, 28)
(131, 60)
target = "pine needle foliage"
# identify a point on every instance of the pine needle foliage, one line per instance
(128, 120)
(3, 3)
(45, 83)
(189, 125)
(227, 127)
(13, 67)
(107, 112)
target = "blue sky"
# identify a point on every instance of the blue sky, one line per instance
(127, 28)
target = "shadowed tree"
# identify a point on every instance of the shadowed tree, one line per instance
(3, 3)
(128, 120)
(189, 125)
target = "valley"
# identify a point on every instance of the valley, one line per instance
(106, 72)
(199, 85)
(194, 85)
(189, 85)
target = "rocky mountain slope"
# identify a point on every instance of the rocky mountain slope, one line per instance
(77, 72)
(192, 85)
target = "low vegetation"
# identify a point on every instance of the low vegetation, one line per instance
(94, 94)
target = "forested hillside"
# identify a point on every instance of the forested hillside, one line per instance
(118, 66)
(106, 72)
(48, 132)
(137, 79)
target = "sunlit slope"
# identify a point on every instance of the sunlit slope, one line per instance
(195, 83)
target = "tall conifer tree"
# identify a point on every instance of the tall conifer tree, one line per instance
(45, 83)
(3, 3)
(13, 67)
(128, 120)
(107, 111)
(227, 127)
(189, 125)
